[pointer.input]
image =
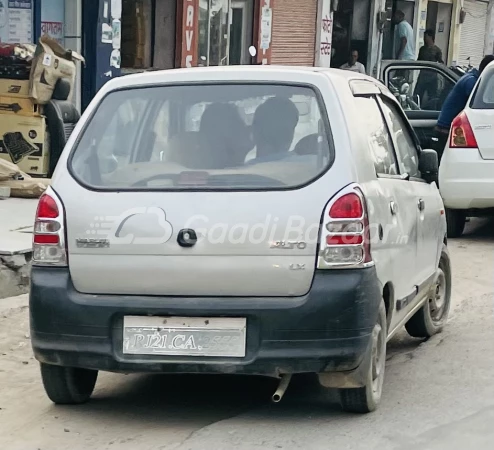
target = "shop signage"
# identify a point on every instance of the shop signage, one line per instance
(189, 33)
(324, 44)
(52, 19)
(54, 30)
(16, 21)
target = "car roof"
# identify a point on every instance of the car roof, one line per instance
(227, 73)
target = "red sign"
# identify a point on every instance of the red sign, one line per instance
(190, 13)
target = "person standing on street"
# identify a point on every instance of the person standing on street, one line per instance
(430, 51)
(353, 64)
(403, 37)
(427, 83)
(455, 103)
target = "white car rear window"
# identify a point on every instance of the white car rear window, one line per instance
(484, 97)
(215, 136)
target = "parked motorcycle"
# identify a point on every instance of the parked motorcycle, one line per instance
(400, 88)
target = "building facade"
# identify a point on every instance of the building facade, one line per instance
(474, 32)
(118, 37)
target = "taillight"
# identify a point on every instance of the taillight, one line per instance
(48, 234)
(345, 237)
(462, 135)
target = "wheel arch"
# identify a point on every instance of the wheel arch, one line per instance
(389, 300)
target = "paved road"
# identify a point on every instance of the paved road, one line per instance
(438, 394)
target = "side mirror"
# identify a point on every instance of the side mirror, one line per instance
(429, 166)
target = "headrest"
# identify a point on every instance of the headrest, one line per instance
(62, 90)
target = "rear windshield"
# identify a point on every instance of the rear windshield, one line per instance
(484, 96)
(217, 136)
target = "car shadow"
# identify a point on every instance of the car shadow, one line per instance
(479, 229)
(183, 400)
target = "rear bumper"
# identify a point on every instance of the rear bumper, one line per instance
(326, 330)
(466, 181)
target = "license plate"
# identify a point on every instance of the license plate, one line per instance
(184, 336)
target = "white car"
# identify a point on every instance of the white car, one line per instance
(466, 174)
(242, 220)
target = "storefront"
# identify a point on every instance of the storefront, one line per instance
(351, 21)
(411, 10)
(148, 34)
(294, 32)
(346, 25)
(473, 32)
(216, 32)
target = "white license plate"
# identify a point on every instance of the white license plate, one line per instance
(184, 336)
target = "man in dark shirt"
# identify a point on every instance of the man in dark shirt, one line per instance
(430, 51)
(427, 83)
(456, 101)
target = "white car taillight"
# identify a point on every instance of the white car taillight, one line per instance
(49, 232)
(345, 236)
(462, 135)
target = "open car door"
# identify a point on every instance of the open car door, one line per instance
(421, 87)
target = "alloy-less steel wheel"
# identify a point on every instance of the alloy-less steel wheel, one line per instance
(432, 317)
(366, 399)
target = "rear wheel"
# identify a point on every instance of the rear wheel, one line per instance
(455, 220)
(431, 318)
(68, 385)
(366, 399)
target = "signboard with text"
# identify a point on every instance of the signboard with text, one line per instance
(16, 21)
(324, 46)
(189, 26)
(52, 19)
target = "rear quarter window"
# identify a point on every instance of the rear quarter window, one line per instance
(216, 136)
(484, 95)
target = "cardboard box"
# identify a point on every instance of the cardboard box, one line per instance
(19, 106)
(28, 141)
(14, 88)
(29, 188)
(51, 62)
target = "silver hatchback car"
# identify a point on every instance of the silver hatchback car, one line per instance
(245, 220)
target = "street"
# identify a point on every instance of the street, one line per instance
(438, 394)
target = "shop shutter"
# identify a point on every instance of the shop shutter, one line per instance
(473, 31)
(294, 32)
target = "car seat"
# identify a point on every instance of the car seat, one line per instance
(225, 135)
(61, 119)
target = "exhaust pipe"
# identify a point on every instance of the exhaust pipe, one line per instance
(282, 387)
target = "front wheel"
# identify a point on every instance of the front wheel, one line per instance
(431, 318)
(366, 399)
(455, 221)
(68, 385)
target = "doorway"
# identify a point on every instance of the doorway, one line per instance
(225, 32)
(439, 20)
(408, 8)
(241, 25)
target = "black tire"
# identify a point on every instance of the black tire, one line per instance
(432, 317)
(455, 220)
(366, 399)
(67, 385)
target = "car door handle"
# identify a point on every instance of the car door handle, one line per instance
(393, 207)
(421, 205)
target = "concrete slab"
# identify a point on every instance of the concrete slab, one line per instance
(16, 225)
